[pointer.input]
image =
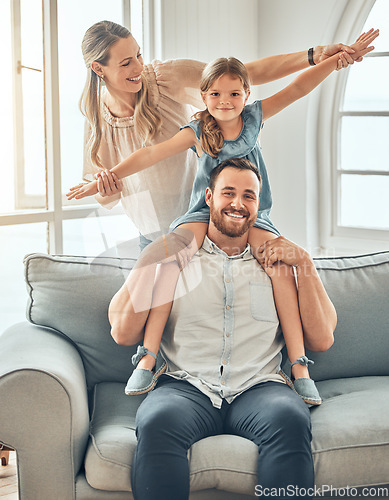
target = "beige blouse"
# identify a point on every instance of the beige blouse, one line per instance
(153, 198)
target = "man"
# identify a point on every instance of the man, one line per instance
(318, 315)
(223, 347)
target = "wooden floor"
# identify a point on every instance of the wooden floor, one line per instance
(8, 479)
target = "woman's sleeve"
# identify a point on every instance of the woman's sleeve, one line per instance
(89, 170)
(179, 80)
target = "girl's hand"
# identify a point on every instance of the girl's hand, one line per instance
(82, 190)
(108, 183)
(362, 45)
(347, 54)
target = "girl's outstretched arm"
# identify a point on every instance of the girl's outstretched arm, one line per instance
(310, 79)
(140, 160)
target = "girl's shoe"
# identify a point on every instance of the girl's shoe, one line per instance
(304, 387)
(142, 380)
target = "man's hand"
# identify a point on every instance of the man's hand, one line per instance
(318, 315)
(108, 183)
(82, 190)
(281, 249)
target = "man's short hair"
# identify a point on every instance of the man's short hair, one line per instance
(239, 164)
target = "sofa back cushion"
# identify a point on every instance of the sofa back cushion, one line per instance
(359, 289)
(71, 295)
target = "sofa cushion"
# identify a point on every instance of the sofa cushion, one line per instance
(228, 462)
(351, 432)
(71, 295)
(112, 438)
(359, 289)
(350, 441)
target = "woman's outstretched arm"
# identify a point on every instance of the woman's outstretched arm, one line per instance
(304, 83)
(272, 68)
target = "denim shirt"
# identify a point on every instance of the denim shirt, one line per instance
(223, 332)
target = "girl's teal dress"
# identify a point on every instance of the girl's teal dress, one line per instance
(244, 146)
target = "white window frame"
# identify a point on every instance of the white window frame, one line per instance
(333, 237)
(55, 212)
(22, 200)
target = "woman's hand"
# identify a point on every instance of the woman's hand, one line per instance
(82, 190)
(347, 54)
(321, 53)
(108, 183)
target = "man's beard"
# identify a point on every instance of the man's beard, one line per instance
(226, 226)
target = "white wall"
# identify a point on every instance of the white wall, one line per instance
(250, 29)
(289, 139)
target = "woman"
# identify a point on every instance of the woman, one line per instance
(146, 104)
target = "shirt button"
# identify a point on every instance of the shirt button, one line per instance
(224, 362)
(227, 280)
(223, 383)
(227, 307)
(227, 334)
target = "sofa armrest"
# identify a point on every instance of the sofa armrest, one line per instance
(44, 409)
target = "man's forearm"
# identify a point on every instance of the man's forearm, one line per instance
(318, 315)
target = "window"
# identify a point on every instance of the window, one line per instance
(42, 136)
(360, 152)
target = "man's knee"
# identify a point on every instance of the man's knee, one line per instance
(290, 416)
(154, 422)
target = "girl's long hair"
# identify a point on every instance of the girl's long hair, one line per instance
(96, 46)
(211, 137)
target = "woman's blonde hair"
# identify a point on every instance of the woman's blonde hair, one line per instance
(96, 46)
(211, 138)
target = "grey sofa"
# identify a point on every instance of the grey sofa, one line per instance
(63, 408)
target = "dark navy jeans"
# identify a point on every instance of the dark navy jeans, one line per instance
(176, 414)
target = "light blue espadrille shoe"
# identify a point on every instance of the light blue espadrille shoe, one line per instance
(304, 387)
(143, 380)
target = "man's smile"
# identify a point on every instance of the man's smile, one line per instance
(235, 215)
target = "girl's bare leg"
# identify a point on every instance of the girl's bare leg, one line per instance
(165, 285)
(286, 300)
(130, 306)
(163, 292)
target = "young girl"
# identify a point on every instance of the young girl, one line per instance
(227, 128)
(129, 104)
